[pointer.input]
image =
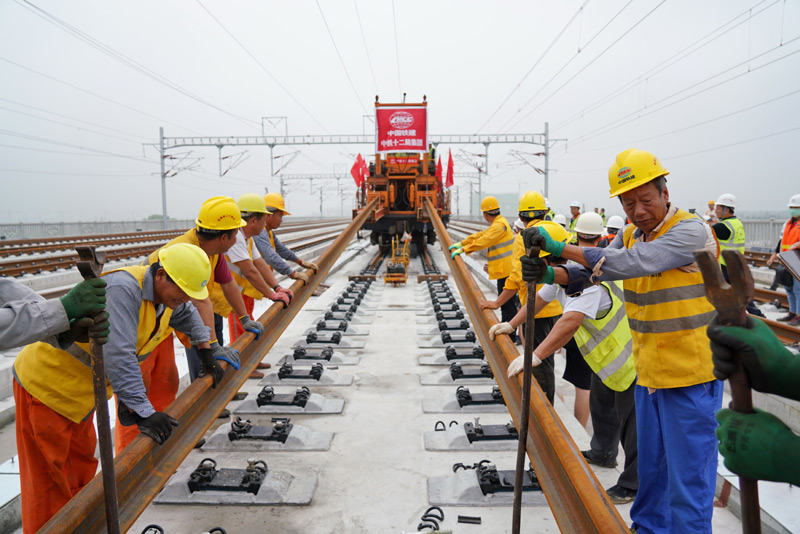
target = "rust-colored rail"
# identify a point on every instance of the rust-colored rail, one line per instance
(577, 499)
(767, 295)
(143, 468)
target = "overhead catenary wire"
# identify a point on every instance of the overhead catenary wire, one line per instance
(81, 128)
(366, 48)
(397, 53)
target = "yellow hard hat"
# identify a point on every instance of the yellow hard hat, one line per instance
(189, 268)
(633, 168)
(490, 204)
(274, 202)
(556, 231)
(531, 201)
(219, 213)
(252, 203)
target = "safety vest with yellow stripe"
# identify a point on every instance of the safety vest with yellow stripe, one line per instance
(735, 241)
(218, 297)
(498, 240)
(606, 344)
(668, 314)
(515, 282)
(62, 380)
(791, 234)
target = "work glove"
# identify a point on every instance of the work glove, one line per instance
(310, 265)
(538, 236)
(251, 326)
(770, 367)
(297, 275)
(287, 291)
(536, 271)
(515, 367)
(158, 426)
(280, 296)
(455, 245)
(226, 353)
(456, 252)
(209, 365)
(500, 328)
(86, 328)
(759, 446)
(86, 298)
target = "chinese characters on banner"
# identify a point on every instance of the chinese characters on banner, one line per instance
(401, 129)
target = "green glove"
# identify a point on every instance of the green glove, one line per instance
(455, 245)
(770, 367)
(758, 445)
(86, 298)
(456, 252)
(538, 236)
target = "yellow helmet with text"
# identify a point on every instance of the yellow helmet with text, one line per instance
(219, 213)
(188, 266)
(274, 202)
(631, 169)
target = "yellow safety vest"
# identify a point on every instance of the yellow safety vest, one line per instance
(515, 282)
(572, 222)
(606, 342)
(736, 239)
(668, 314)
(498, 240)
(221, 306)
(63, 380)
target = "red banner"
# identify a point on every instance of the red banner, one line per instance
(401, 129)
(402, 159)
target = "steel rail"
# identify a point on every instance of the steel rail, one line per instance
(577, 499)
(144, 467)
(767, 295)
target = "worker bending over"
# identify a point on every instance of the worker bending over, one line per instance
(53, 389)
(668, 312)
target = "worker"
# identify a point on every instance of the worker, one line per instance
(575, 211)
(550, 212)
(615, 224)
(790, 240)
(498, 240)
(757, 445)
(27, 317)
(676, 394)
(53, 390)
(710, 216)
(603, 215)
(270, 247)
(531, 209)
(560, 219)
(595, 319)
(518, 226)
(730, 235)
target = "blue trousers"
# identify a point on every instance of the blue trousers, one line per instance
(677, 458)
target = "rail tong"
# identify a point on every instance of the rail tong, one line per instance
(730, 301)
(90, 265)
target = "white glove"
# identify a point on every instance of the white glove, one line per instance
(515, 367)
(309, 265)
(297, 275)
(500, 328)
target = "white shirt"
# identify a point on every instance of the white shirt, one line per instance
(593, 301)
(239, 251)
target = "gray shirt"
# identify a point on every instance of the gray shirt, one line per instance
(275, 256)
(27, 317)
(123, 300)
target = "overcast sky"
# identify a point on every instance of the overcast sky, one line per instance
(712, 88)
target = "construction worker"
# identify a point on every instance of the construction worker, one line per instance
(575, 211)
(790, 240)
(615, 224)
(27, 317)
(270, 247)
(710, 216)
(595, 319)
(730, 235)
(560, 219)
(676, 394)
(53, 389)
(603, 215)
(498, 240)
(531, 209)
(757, 445)
(550, 212)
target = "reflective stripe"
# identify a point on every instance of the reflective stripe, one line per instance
(618, 362)
(501, 245)
(598, 336)
(662, 296)
(671, 325)
(505, 254)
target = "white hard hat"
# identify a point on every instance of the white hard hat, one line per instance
(794, 202)
(615, 221)
(519, 225)
(726, 199)
(575, 204)
(590, 223)
(560, 219)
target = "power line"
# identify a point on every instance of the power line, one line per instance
(733, 144)
(56, 151)
(366, 48)
(71, 173)
(397, 52)
(21, 135)
(358, 97)
(68, 125)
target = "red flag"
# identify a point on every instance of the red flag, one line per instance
(449, 182)
(364, 170)
(439, 169)
(357, 171)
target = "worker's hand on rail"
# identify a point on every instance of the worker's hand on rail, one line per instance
(536, 271)
(536, 236)
(515, 367)
(251, 326)
(759, 446)
(310, 265)
(500, 328)
(770, 367)
(158, 426)
(455, 245)
(286, 291)
(209, 365)
(86, 298)
(280, 296)
(455, 252)
(297, 275)
(488, 304)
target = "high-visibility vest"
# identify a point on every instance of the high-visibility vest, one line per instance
(606, 343)
(668, 314)
(791, 234)
(498, 240)
(62, 380)
(572, 222)
(735, 241)
(218, 297)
